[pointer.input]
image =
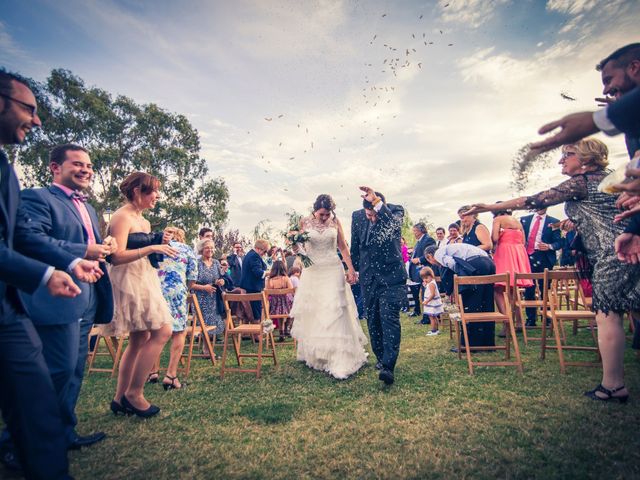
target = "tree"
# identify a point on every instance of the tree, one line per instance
(407, 226)
(121, 137)
(224, 241)
(431, 228)
(266, 231)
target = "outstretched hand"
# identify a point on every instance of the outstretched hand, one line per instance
(87, 271)
(369, 194)
(627, 246)
(632, 184)
(573, 127)
(477, 208)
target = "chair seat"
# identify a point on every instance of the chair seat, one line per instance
(572, 314)
(246, 328)
(486, 317)
(529, 303)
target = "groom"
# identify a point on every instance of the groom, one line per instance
(376, 255)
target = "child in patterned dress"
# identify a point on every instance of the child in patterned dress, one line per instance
(431, 300)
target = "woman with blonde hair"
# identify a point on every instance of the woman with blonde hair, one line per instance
(616, 285)
(472, 231)
(177, 275)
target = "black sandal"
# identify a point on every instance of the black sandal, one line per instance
(172, 385)
(609, 394)
(152, 379)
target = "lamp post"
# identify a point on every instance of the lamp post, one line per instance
(106, 216)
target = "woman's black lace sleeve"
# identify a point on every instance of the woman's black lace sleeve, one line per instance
(574, 189)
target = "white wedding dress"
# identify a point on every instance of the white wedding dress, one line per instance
(326, 324)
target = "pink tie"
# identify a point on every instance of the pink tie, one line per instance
(531, 241)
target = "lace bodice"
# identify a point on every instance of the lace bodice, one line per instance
(322, 246)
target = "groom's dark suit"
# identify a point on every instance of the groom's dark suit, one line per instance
(376, 255)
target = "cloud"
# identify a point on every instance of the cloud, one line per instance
(10, 50)
(573, 6)
(470, 13)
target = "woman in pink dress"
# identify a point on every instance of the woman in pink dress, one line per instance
(510, 254)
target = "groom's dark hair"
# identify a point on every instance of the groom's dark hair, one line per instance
(368, 205)
(430, 250)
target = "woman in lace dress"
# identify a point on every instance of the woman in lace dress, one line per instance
(326, 325)
(616, 285)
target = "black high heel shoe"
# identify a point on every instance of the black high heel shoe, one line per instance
(172, 385)
(609, 394)
(117, 408)
(153, 379)
(130, 409)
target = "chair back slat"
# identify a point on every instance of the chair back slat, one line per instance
(482, 279)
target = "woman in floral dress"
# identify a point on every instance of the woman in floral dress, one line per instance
(177, 275)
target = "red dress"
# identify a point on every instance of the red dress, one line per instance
(511, 256)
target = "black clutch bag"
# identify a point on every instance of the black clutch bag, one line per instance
(140, 240)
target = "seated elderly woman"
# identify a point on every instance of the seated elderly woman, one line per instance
(616, 285)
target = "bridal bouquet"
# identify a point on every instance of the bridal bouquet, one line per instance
(296, 238)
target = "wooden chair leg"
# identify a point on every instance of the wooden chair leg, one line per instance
(507, 340)
(467, 348)
(259, 367)
(556, 329)
(224, 354)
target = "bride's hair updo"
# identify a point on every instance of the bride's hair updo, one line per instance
(324, 201)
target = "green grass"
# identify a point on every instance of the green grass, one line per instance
(437, 421)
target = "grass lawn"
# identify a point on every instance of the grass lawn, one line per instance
(437, 421)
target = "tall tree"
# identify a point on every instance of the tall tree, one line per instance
(121, 137)
(225, 240)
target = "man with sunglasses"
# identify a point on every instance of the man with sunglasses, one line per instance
(27, 398)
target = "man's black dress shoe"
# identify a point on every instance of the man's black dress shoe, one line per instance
(379, 366)
(413, 314)
(80, 442)
(10, 461)
(386, 376)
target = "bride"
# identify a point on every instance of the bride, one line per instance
(326, 324)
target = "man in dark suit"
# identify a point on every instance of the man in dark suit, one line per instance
(423, 240)
(377, 256)
(253, 272)
(62, 218)
(27, 397)
(235, 263)
(542, 242)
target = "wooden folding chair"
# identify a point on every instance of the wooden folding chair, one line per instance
(254, 330)
(196, 328)
(553, 284)
(521, 304)
(114, 350)
(284, 318)
(476, 317)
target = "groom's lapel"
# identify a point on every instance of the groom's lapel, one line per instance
(367, 231)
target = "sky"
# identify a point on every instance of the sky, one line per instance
(425, 101)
